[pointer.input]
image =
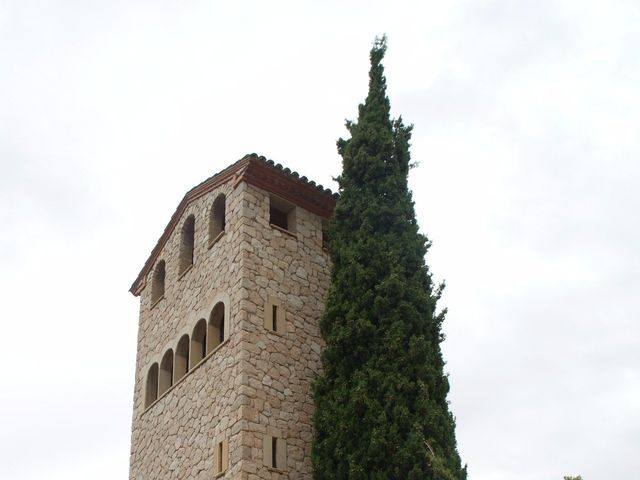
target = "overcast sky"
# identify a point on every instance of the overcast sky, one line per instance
(526, 121)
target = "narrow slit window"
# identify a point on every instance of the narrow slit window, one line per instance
(274, 318)
(274, 315)
(221, 457)
(274, 452)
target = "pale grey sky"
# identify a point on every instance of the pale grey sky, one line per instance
(526, 117)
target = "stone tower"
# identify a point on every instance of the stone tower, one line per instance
(228, 339)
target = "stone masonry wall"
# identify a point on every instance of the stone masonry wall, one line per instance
(258, 381)
(278, 368)
(175, 437)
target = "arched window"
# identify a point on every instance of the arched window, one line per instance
(151, 393)
(217, 218)
(186, 244)
(198, 342)
(216, 327)
(157, 284)
(182, 358)
(165, 379)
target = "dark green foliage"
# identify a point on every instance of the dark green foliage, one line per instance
(381, 407)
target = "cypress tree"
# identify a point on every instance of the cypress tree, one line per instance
(381, 399)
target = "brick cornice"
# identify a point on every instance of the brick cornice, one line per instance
(256, 171)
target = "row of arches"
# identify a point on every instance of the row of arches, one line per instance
(217, 224)
(189, 352)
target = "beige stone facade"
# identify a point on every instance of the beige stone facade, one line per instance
(228, 341)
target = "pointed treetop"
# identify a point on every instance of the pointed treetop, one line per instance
(379, 49)
(377, 100)
(371, 143)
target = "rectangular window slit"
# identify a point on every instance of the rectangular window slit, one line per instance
(274, 452)
(274, 317)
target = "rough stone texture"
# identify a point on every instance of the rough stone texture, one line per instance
(258, 382)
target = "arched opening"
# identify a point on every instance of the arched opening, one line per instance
(166, 372)
(157, 284)
(181, 366)
(186, 244)
(216, 327)
(217, 221)
(151, 392)
(198, 342)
